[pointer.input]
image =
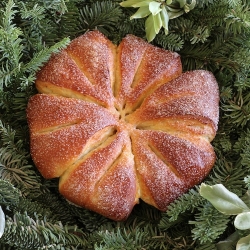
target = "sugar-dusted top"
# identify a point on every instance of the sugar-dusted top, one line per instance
(116, 124)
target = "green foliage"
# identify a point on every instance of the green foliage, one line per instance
(14, 166)
(229, 203)
(170, 41)
(214, 35)
(238, 108)
(158, 13)
(121, 239)
(9, 195)
(39, 234)
(229, 174)
(209, 224)
(243, 147)
(186, 202)
(103, 15)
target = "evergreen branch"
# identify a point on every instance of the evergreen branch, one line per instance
(36, 13)
(120, 238)
(187, 202)
(10, 44)
(6, 74)
(11, 198)
(222, 143)
(243, 78)
(69, 23)
(243, 147)
(238, 19)
(247, 181)
(6, 247)
(14, 107)
(8, 140)
(59, 207)
(207, 246)
(144, 215)
(238, 109)
(213, 16)
(35, 209)
(208, 3)
(229, 174)
(9, 195)
(13, 168)
(209, 224)
(14, 165)
(86, 217)
(39, 234)
(103, 16)
(59, 6)
(170, 42)
(43, 55)
(137, 237)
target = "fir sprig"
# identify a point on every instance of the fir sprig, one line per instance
(39, 234)
(214, 35)
(186, 202)
(101, 15)
(209, 224)
(9, 194)
(10, 44)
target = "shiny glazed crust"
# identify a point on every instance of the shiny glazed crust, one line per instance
(119, 124)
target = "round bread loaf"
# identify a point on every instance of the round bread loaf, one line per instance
(119, 124)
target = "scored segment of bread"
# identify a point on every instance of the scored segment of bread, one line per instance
(119, 124)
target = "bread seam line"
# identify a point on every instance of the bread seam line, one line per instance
(86, 153)
(80, 67)
(69, 93)
(162, 158)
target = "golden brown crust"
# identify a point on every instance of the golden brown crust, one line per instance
(103, 177)
(84, 70)
(142, 68)
(187, 103)
(62, 132)
(119, 124)
(169, 164)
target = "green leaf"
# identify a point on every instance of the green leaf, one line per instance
(222, 199)
(175, 14)
(142, 3)
(155, 7)
(150, 29)
(131, 3)
(157, 22)
(182, 3)
(141, 12)
(190, 6)
(243, 243)
(242, 221)
(228, 243)
(164, 19)
(2, 222)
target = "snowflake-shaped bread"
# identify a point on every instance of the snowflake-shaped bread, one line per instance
(121, 123)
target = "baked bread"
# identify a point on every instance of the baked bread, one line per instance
(119, 124)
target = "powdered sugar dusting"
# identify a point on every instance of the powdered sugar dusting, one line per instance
(62, 72)
(94, 56)
(130, 53)
(157, 67)
(193, 94)
(191, 164)
(80, 129)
